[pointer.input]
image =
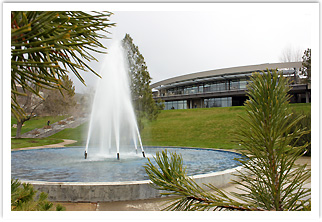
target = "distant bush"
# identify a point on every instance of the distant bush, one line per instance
(35, 132)
(23, 198)
(71, 119)
(61, 123)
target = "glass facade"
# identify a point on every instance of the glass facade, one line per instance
(216, 86)
(194, 93)
(200, 88)
(180, 104)
(218, 102)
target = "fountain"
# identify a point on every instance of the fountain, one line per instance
(113, 127)
(65, 175)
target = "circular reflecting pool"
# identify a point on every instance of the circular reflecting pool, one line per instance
(69, 165)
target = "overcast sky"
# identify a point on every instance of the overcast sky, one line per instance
(183, 38)
(224, 35)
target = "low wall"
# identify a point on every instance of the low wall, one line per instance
(119, 191)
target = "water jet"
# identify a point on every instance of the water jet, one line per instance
(113, 127)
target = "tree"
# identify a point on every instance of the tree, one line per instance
(289, 54)
(60, 102)
(29, 103)
(144, 104)
(271, 180)
(306, 65)
(55, 102)
(45, 45)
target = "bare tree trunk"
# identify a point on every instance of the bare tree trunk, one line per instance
(19, 126)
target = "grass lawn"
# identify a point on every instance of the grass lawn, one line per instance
(208, 127)
(79, 133)
(37, 122)
(29, 142)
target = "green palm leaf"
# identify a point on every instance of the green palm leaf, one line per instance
(45, 46)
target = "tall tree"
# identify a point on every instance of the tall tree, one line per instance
(306, 65)
(60, 102)
(46, 45)
(144, 104)
(271, 180)
(290, 54)
(30, 103)
(55, 102)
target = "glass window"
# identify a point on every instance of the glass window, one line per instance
(242, 84)
(175, 104)
(180, 90)
(230, 101)
(170, 105)
(234, 84)
(194, 89)
(222, 86)
(218, 102)
(213, 87)
(207, 87)
(205, 103)
(200, 88)
(180, 104)
(224, 102)
(187, 90)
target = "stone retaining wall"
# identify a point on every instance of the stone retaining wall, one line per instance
(118, 191)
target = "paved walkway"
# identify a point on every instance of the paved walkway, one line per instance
(58, 145)
(70, 122)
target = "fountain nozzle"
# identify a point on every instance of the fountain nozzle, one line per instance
(85, 154)
(143, 154)
(118, 156)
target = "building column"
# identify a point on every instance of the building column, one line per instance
(307, 99)
(307, 95)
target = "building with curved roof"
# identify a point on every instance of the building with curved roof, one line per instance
(223, 87)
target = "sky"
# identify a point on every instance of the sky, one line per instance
(182, 38)
(186, 38)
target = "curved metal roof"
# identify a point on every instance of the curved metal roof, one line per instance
(227, 71)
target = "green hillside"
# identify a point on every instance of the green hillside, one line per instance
(209, 127)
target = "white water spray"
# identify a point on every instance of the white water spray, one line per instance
(113, 127)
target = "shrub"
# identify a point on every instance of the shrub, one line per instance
(304, 123)
(271, 180)
(71, 119)
(35, 132)
(62, 123)
(23, 198)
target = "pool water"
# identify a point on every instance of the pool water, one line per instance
(69, 165)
